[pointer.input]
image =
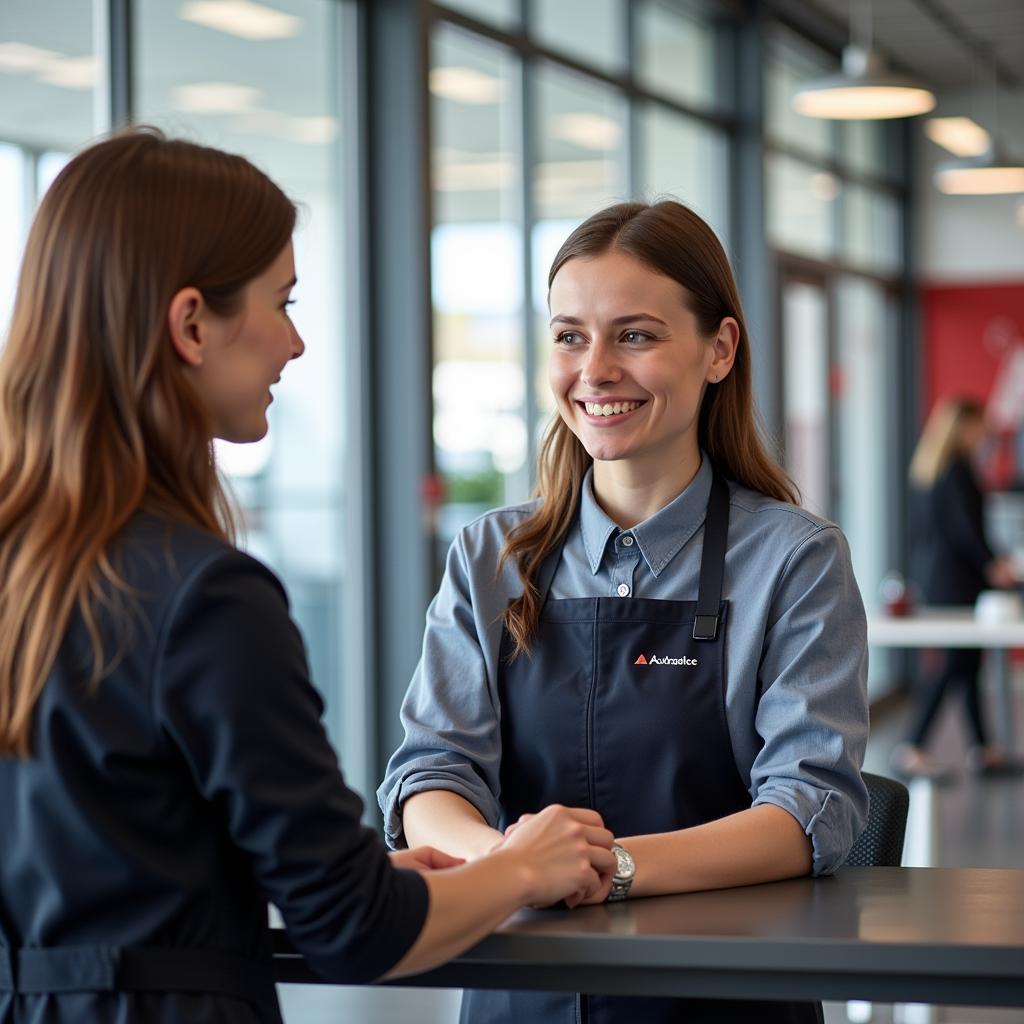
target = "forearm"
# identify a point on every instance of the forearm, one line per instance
(446, 820)
(762, 844)
(466, 903)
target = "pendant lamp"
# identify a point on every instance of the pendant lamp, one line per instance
(865, 90)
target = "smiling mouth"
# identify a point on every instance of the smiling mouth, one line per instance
(607, 410)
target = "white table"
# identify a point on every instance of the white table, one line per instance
(957, 627)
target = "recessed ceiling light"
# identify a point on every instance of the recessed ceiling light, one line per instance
(22, 58)
(313, 131)
(960, 135)
(241, 18)
(465, 85)
(215, 98)
(589, 131)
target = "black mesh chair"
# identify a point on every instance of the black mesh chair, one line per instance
(881, 843)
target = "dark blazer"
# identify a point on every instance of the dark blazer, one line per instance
(949, 548)
(160, 811)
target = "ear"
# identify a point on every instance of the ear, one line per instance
(186, 320)
(723, 347)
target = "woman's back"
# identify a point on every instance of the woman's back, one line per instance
(158, 808)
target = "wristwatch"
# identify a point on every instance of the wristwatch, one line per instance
(624, 873)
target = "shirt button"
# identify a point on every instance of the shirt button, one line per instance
(627, 541)
(622, 590)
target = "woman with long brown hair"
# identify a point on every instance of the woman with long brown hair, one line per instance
(663, 635)
(164, 770)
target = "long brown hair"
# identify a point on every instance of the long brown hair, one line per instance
(672, 240)
(97, 418)
(942, 438)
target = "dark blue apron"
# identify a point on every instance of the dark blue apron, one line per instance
(621, 708)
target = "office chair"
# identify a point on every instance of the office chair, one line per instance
(881, 843)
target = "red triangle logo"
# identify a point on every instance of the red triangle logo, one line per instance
(640, 661)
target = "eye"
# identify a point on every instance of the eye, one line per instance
(567, 338)
(284, 305)
(635, 337)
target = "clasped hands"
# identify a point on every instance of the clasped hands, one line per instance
(550, 837)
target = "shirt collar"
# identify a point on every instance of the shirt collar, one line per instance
(660, 537)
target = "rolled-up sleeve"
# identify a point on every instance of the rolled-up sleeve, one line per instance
(232, 692)
(813, 712)
(450, 714)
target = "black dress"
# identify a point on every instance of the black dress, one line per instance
(161, 811)
(950, 553)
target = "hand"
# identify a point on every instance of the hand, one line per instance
(567, 852)
(585, 897)
(424, 858)
(1000, 573)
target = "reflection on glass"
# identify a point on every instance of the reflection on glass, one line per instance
(868, 147)
(805, 377)
(801, 206)
(679, 54)
(590, 30)
(791, 62)
(687, 160)
(580, 169)
(864, 438)
(871, 229)
(503, 13)
(266, 90)
(476, 264)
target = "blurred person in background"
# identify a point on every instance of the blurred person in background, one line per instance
(952, 563)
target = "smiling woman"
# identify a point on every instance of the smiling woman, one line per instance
(576, 651)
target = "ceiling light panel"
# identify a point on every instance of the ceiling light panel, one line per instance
(241, 18)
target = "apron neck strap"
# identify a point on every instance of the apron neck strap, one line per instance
(712, 563)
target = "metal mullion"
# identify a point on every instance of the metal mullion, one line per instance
(528, 217)
(636, 160)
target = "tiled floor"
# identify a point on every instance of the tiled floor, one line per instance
(977, 823)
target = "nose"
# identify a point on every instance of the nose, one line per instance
(600, 365)
(298, 345)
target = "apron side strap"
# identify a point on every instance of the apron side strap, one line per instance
(6, 970)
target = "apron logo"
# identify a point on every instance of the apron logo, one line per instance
(655, 660)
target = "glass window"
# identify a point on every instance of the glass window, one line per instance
(871, 147)
(801, 206)
(688, 160)
(871, 229)
(48, 76)
(580, 133)
(477, 279)
(805, 351)
(789, 63)
(265, 87)
(861, 385)
(593, 31)
(680, 54)
(503, 13)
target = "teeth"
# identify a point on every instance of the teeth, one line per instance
(609, 409)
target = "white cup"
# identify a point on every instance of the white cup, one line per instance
(997, 606)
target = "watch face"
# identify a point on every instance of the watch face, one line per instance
(626, 866)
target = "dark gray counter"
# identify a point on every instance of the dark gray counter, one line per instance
(931, 935)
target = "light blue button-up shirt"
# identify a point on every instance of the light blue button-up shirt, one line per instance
(796, 653)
